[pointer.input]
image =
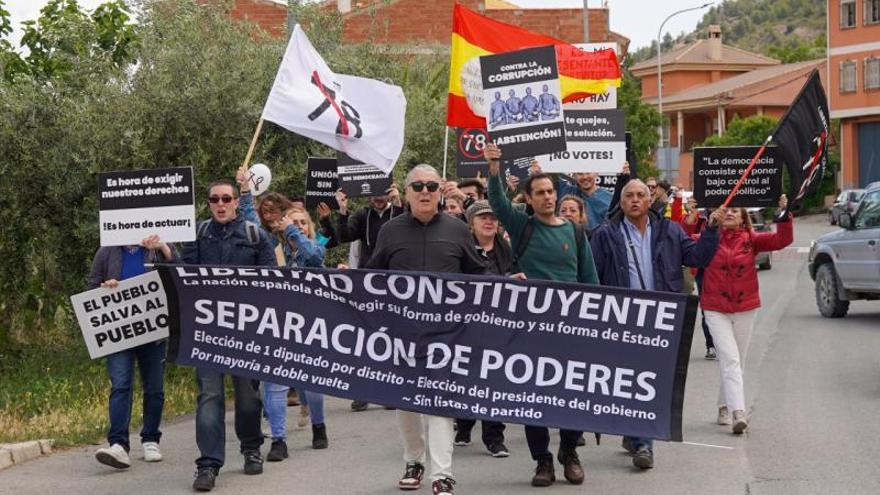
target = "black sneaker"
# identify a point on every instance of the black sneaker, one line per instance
(582, 442)
(443, 485)
(253, 462)
(643, 458)
(711, 355)
(319, 436)
(497, 449)
(278, 452)
(462, 438)
(359, 405)
(412, 477)
(205, 479)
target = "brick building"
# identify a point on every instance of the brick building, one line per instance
(854, 90)
(430, 22)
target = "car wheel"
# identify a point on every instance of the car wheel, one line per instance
(767, 264)
(828, 293)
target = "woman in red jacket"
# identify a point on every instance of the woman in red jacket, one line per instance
(730, 298)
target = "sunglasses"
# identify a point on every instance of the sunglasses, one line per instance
(216, 199)
(418, 185)
(652, 187)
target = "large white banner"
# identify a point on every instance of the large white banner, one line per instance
(360, 117)
(132, 314)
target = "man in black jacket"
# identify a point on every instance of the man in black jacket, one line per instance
(364, 224)
(425, 239)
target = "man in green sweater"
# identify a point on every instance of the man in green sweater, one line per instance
(547, 248)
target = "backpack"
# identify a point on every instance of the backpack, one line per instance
(580, 235)
(251, 229)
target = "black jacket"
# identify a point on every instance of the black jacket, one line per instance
(364, 226)
(444, 244)
(499, 261)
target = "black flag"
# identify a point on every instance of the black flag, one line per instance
(802, 135)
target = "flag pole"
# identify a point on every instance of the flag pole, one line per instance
(748, 171)
(445, 149)
(250, 151)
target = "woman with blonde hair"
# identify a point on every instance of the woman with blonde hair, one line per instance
(572, 208)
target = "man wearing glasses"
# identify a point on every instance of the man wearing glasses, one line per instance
(425, 239)
(226, 239)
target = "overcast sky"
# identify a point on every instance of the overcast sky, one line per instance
(638, 20)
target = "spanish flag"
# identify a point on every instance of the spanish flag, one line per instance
(581, 73)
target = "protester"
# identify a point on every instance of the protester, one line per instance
(572, 209)
(546, 247)
(227, 239)
(299, 247)
(694, 222)
(596, 199)
(424, 239)
(110, 265)
(639, 249)
(473, 189)
(453, 207)
(364, 226)
(499, 261)
(731, 298)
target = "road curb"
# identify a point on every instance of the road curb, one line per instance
(16, 453)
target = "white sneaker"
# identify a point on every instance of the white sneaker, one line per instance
(152, 452)
(723, 416)
(740, 423)
(114, 456)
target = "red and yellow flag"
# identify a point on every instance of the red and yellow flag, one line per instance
(581, 73)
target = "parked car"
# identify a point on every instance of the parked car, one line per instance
(845, 264)
(764, 260)
(845, 203)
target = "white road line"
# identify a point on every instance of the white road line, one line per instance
(708, 445)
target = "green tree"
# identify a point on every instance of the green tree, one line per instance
(751, 131)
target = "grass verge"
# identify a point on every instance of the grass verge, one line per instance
(61, 393)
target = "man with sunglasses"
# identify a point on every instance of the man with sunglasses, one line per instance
(226, 239)
(425, 239)
(546, 247)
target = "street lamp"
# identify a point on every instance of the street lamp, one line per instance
(660, 64)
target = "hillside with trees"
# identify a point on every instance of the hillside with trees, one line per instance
(788, 30)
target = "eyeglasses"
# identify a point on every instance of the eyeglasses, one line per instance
(651, 187)
(216, 199)
(418, 185)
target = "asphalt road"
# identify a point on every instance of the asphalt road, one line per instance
(811, 384)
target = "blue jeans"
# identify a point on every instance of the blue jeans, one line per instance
(315, 401)
(637, 442)
(120, 366)
(211, 417)
(275, 402)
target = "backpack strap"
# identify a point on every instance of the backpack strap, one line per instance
(202, 228)
(524, 239)
(580, 238)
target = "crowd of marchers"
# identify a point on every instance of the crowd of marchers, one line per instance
(547, 227)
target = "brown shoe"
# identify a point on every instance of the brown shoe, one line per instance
(571, 466)
(544, 473)
(292, 398)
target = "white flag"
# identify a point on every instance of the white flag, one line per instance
(363, 118)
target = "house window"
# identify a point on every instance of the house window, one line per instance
(847, 14)
(872, 73)
(872, 11)
(848, 77)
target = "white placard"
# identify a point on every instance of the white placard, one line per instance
(132, 314)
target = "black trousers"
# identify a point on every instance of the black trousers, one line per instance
(493, 431)
(538, 438)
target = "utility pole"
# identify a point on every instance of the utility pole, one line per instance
(586, 23)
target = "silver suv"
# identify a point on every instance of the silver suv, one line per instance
(846, 264)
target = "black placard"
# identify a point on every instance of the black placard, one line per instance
(717, 170)
(321, 182)
(469, 159)
(358, 179)
(524, 109)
